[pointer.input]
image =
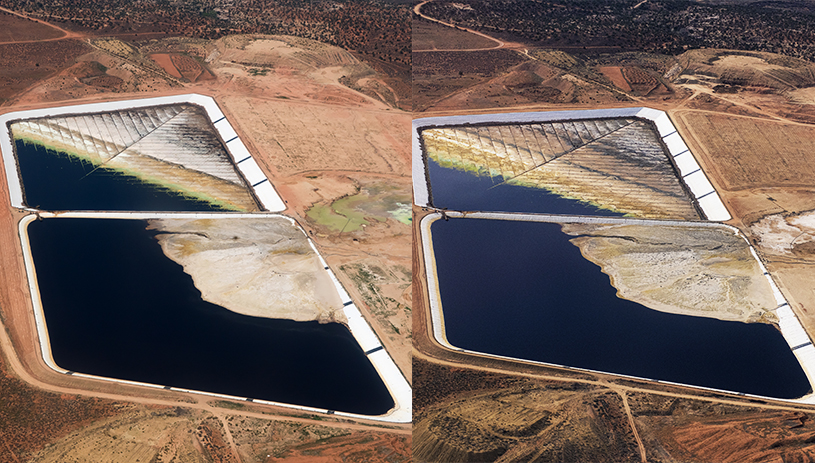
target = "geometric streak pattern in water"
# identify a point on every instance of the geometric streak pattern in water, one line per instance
(173, 146)
(617, 164)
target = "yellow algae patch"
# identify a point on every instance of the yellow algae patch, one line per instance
(377, 202)
(262, 267)
(699, 271)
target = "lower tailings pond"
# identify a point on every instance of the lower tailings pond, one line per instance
(522, 290)
(116, 306)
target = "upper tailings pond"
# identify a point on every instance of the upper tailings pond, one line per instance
(116, 306)
(58, 181)
(609, 166)
(461, 190)
(159, 158)
(522, 290)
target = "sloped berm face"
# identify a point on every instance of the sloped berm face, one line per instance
(615, 166)
(96, 161)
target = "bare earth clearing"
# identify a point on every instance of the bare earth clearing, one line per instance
(428, 35)
(333, 140)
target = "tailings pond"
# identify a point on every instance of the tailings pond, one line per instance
(461, 190)
(116, 306)
(522, 290)
(57, 181)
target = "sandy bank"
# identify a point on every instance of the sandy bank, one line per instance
(261, 267)
(705, 272)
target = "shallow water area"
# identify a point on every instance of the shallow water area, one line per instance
(58, 181)
(522, 290)
(462, 190)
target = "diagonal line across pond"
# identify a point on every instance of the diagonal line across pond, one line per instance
(127, 147)
(574, 148)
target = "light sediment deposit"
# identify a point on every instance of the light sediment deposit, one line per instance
(173, 146)
(262, 267)
(699, 271)
(616, 164)
(786, 234)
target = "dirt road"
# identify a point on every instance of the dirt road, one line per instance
(66, 34)
(499, 44)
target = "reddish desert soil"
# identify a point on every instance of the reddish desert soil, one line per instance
(351, 447)
(428, 35)
(166, 63)
(16, 29)
(748, 152)
(182, 66)
(640, 81)
(27, 414)
(751, 142)
(615, 75)
(310, 134)
(23, 64)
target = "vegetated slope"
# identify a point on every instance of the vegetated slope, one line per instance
(466, 415)
(30, 417)
(463, 414)
(378, 32)
(675, 430)
(657, 25)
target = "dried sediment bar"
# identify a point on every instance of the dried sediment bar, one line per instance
(263, 267)
(691, 270)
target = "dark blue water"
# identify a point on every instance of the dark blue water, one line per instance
(115, 306)
(520, 289)
(460, 190)
(56, 181)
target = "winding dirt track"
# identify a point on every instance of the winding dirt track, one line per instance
(630, 416)
(66, 34)
(417, 10)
